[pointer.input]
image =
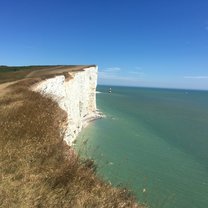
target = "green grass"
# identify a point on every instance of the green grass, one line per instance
(14, 73)
(20, 68)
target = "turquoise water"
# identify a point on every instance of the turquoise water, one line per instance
(152, 139)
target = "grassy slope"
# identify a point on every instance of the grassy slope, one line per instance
(13, 73)
(37, 168)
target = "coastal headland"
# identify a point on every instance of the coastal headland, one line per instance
(42, 110)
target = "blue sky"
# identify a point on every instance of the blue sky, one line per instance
(134, 42)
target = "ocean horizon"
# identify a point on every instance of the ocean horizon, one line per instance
(153, 87)
(153, 141)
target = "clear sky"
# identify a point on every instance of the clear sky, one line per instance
(134, 42)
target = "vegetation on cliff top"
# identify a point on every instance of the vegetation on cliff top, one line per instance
(13, 73)
(37, 168)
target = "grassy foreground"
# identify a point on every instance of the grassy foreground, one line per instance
(37, 168)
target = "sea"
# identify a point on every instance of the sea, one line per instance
(153, 142)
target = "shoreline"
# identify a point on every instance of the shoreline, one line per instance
(86, 121)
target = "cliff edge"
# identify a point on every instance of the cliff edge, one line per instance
(75, 93)
(38, 169)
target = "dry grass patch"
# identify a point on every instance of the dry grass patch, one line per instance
(37, 168)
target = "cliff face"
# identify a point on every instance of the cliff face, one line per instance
(75, 92)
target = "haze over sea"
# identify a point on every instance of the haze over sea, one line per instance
(153, 141)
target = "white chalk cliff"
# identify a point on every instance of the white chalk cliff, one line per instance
(75, 95)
